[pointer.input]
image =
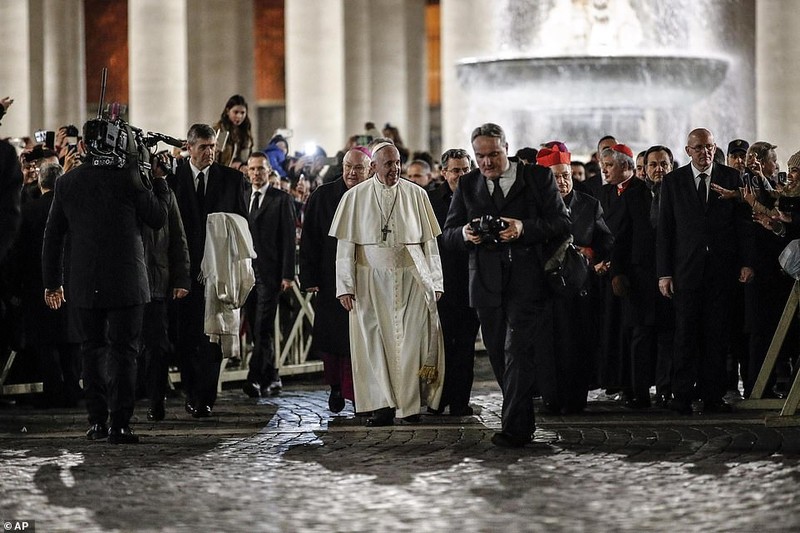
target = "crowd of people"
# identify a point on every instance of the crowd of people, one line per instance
(408, 256)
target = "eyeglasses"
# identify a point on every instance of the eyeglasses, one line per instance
(358, 168)
(702, 147)
(563, 175)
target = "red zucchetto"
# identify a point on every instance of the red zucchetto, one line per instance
(623, 149)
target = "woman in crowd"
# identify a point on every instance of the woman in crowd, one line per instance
(234, 135)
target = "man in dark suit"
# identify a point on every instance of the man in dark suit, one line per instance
(201, 186)
(632, 272)
(10, 189)
(11, 181)
(51, 336)
(101, 208)
(702, 249)
(507, 283)
(331, 335)
(271, 218)
(459, 321)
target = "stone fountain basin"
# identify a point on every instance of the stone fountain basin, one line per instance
(621, 81)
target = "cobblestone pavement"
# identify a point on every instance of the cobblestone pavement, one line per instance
(287, 464)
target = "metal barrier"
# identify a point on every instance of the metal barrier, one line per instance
(292, 341)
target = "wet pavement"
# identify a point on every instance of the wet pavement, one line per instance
(288, 464)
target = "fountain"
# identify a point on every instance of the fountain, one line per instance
(578, 69)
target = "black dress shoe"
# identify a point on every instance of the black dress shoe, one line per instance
(202, 411)
(97, 432)
(506, 440)
(336, 401)
(189, 406)
(662, 400)
(274, 388)
(253, 390)
(122, 436)
(156, 413)
(637, 402)
(680, 407)
(381, 417)
(432, 411)
(716, 406)
(461, 411)
(413, 419)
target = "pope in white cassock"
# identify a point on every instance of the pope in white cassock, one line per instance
(389, 276)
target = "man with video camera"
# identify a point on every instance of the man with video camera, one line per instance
(100, 208)
(506, 278)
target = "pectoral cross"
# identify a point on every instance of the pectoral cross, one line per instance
(385, 231)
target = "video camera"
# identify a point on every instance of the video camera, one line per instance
(112, 142)
(488, 228)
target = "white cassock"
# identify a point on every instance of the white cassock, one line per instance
(394, 275)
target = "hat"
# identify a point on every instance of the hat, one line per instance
(363, 149)
(794, 161)
(549, 157)
(623, 149)
(561, 146)
(738, 145)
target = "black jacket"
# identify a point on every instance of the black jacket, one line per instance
(534, 200)
(318, 269)
(40, 324)
(689, 235)
(223, 195)
(455, 263)
(10, 190)
(273, 230)
(588, 226)
(167, 255)
(100, 208)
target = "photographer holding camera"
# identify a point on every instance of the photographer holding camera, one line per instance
(507, 282)
(100, 207)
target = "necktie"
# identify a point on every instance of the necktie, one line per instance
(497, 194)
(201, 188)
(254, 203)
(702, 191)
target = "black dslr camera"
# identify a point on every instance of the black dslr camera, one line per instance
(488, 228)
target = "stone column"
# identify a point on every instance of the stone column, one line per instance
(220, 55)
(158, 66)
(398, 81)
(777, 78)
(22, 51)
(64, 63)
(468, 30)
(315, 73)
(358, 66)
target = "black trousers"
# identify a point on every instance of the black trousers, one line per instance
(702, 331)
(563, 373)
(109, 348)
(513, 333)
(200, 359)
(260, 308)
(155, 351)
(459, 329)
